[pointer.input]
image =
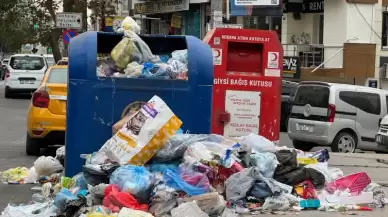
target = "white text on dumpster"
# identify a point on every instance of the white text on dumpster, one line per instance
(242, 82)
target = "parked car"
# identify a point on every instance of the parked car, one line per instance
(46, 118)
(288, 95)
(50, 59)
(382, 135)
(342, 116)
(24, 73)
(63, 62)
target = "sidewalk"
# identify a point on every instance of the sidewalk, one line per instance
(375, 165)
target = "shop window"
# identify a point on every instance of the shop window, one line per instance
(384, 37)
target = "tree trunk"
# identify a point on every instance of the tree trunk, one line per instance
(55, 45)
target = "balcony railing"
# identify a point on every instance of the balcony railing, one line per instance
(313, 55)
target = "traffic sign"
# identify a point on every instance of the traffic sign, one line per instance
(67, 35)
(69, 20)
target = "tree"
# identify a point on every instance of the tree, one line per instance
(101, 9)
(15, 29)
(18, 18)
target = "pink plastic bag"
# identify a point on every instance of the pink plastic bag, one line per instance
(354, 182)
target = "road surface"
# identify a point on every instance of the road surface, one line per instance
(12, 154)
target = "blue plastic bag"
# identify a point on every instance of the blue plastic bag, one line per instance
(162, 167)
(136, 180)
(189, 181)
(62, 197)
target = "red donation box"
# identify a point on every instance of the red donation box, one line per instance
(248, 69)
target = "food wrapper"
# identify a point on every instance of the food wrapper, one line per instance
(144, 134)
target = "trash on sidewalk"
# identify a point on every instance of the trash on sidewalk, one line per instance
(150, 168)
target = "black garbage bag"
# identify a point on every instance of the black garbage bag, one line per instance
(71, 208)
(288, 171)
(97, 174)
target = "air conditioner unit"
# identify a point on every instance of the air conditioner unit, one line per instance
(373, 82)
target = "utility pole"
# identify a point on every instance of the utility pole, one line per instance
(130, 8)
(216, 8)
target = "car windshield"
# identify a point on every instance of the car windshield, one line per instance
(27, 63)
(315, 95)
(50, 61)
(57, 76)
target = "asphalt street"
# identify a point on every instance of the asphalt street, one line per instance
(12, 153)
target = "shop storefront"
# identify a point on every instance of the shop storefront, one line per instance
(173, 17)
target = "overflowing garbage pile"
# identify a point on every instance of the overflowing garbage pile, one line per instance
(132, 58)
(151, 168)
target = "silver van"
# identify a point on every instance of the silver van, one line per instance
(342, 116)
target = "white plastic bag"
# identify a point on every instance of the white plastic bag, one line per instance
(144, 134)
(276, 203)
(266, 162)
(189, 209)
(126, 212)
(180, 55)
(129, 24)
(46, 166)
(32, 177)
(210, 203)
(61, 152)
(258, 143)
(33, 210)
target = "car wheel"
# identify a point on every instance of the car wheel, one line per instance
(303, 146)
(7, 93)
(344, 142)
(33, 146)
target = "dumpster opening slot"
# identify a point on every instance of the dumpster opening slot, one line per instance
(158, 45)
(244, 57)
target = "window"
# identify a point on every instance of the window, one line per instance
(367, 102)
(349, 97)
(386, 102)
(50, 61)
(57, 76)
(27, 63)
(293, 90)
(316, 96)
(384, 36)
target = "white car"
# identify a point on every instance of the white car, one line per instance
(50, 59)
(24, 73)
(382, 135)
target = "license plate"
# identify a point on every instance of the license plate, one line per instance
(305, 127)
(379, 138)
(27, 82)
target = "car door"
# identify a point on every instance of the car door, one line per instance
(369, 115)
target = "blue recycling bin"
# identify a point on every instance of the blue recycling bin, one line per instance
(95, 104)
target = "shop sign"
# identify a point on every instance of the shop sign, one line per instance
(230, 26)
(159, 7)
(291, 67)
(176, 21)
(308, 6)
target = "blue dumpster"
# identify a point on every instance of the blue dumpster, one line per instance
(95, 103)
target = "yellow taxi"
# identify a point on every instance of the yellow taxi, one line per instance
(46, 118)
(63, 62)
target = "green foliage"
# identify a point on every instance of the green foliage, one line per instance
(32, 21)
(102, 9)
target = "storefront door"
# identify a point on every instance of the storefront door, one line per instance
(193, 21)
